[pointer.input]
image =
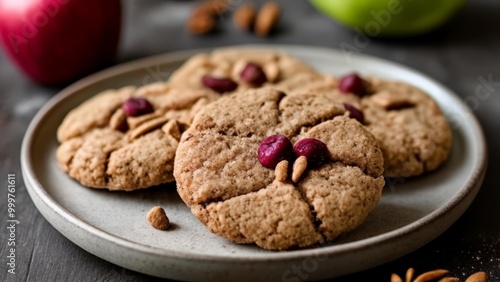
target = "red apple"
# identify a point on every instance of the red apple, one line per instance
(57, 41)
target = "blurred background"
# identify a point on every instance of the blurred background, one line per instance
(456, 42)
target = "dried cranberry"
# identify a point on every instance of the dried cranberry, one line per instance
(352, 83)
(136, 106)
(354, 112)
(218, 84)
(313, 149)
(274, 149)
(253, 74)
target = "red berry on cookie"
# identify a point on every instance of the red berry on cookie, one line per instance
(353, 83)
(274, 149)
(253, 74)
(313, 149)
(136, 106)
(354, 112)
(218, 84)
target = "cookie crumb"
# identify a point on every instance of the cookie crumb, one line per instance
(158, 218)
(203, 17)
(299, 166)
(281, 171)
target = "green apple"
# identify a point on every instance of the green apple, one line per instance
(390, 18)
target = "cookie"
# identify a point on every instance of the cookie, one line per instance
(102, 147)
(413, 131)
(415, 136)
(220, 178)
(234, 69)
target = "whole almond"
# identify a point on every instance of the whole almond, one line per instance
(431, 275)
(409, 274)
(220, 6)
(244, 16)
(396, 278)
(299, 166)
(201, 24)
(478, 277)
(211, 8)
(267, 18)
(449, 279)
(281, 171)
(118, 121)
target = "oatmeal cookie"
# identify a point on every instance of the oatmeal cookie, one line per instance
(227, 70)
(412, 129)
(104, 146)
(220, 178)
(414, 134)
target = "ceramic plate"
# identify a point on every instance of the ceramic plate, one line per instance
(113, 225)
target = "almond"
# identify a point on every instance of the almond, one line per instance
(244, 16)
(299, 166)
(281, 171)
(409, 274)
(431, 275)
(449, 279)
(478, 277)
(201, 24)
(396, 278)
(118, 121)
(267, 18)
(211, 8)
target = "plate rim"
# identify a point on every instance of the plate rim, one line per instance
(36, 188)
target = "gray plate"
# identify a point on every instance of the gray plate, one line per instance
(113, 225)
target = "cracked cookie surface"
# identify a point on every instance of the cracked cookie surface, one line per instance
(415, 136)
(414, 133)
(220, 178)
(101, 147)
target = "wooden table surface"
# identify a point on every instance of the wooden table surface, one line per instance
(460, 55)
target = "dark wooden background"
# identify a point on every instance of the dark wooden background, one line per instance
(466, 49)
